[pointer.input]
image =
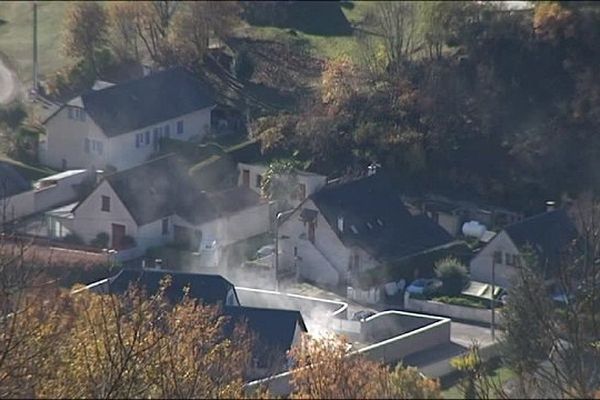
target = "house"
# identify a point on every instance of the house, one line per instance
(275, 330)
(547, 235)
(306, 183)
(158, 203)
(345, 229)
(120, 126)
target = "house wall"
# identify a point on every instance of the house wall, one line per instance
(65, 139)
(312, 182)
(231, 228)
(326, 261)
(122, 150)
(44, 198)
(481, 264)
(89, 219)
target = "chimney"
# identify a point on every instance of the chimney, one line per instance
(340, 224)
(550, 205)
(372, 169)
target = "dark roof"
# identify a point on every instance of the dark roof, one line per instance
(384, 226)
(162, 187)
(211, 289)
(11, 182)
(548, 234)
(146, 101)
(274, 327)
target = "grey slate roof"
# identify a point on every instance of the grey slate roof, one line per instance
(549, 234)
(210, 289)
(11, 182)
(146, 101)
(162, 187)
(275, 327)
(386, 229)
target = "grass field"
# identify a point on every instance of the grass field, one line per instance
(16, 36)
(320, 46)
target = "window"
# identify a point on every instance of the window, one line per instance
(82, 115)
(246, 177)
(258, 180)
(137, 140)
(70, 111)
(100, 148)
(147, 137)
(512, 259)
(105, 203)
(86, 145)
(301, 191)
(179, 127)
(165, 226)
(167, 131)
(498, 257)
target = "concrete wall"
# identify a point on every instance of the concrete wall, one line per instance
(481, 265)
(65, 139)
(61, 191)
(89, 219)
(396, 348)
(391, 351)
(451, 310)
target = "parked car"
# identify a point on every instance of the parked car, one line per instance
(362, 315)
(423, 286)
(265, 251)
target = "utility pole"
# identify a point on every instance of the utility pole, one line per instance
(35, 55)
(493, 300)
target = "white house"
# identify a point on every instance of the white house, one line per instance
(547, 236)
(345, 229)
(157, 203)
(252, 175)
(121, 125)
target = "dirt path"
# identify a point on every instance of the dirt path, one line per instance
(9, 84)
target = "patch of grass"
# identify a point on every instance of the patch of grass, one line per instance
(499, 375)
(16, 36)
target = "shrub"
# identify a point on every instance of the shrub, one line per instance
(73, 239)
(453, 275)
(244, 68)
(101, 240)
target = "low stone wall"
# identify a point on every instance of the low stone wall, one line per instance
(451, 310)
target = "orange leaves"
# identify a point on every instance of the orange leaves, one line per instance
(551, 21)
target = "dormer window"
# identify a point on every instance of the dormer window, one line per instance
(76, 113)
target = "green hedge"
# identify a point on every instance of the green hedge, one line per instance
(462, 301)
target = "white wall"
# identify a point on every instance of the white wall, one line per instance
(65, 139)
(42, 199)
(453, 311)
(326, 242)
(312, 182)
(481, 264)
(89, 219)
(123, 154)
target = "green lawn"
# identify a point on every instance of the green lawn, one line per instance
(320, 46)
(16, 36)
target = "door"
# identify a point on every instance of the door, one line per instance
(118, 233)
(246, 177)
(311, 232)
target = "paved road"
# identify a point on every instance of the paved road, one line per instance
(8, 84)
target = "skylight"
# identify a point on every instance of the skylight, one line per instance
(354, 229)
(369, 225)
(380, 222)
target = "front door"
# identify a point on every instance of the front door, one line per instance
(246, 177)
(118, 233)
